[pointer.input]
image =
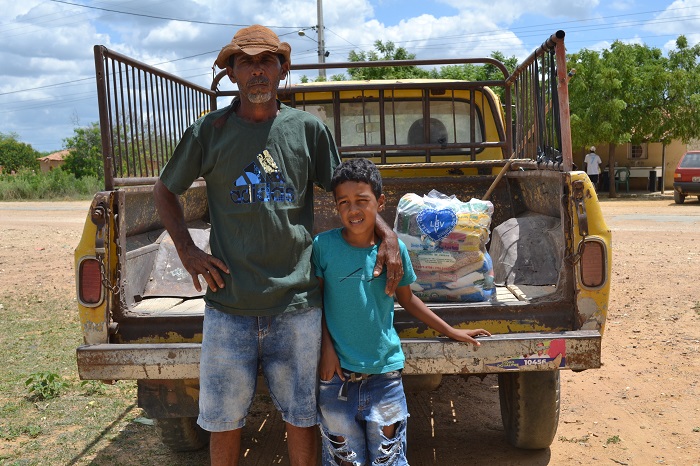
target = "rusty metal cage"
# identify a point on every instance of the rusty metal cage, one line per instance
(539, 88)
(143, 113)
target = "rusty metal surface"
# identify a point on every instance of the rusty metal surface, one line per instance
(501, 353)
(138, 211)
(139, 361)
(168, 276)
(141, 328)
(579, 350)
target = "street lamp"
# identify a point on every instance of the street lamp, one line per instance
(322, 53)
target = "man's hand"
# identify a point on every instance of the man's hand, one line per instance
(389, 255)
(198, 262)
(195, 261)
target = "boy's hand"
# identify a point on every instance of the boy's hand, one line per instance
(329, 364)
(468, 335)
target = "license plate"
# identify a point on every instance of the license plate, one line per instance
(696, 179)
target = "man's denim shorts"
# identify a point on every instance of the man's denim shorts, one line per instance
(285, 346)
(352, 415)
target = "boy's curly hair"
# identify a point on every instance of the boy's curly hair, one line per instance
(361, 170)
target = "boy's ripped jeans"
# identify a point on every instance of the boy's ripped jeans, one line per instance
(363, 422)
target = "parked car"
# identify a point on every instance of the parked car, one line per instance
(686, 179)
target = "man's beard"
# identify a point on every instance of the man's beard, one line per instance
(260, 98)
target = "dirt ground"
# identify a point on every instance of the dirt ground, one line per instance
(642, 407)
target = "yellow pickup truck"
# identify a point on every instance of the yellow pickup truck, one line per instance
(142, 319)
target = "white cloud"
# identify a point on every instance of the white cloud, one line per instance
(172, 33)
(45, 43)
(507, 11)
(680, 17)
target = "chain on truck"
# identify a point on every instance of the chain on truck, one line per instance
(506, 140)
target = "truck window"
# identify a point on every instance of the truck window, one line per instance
(360, 123)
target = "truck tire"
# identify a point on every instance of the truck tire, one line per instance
(181, 433)
(678, 198)
(529, 407)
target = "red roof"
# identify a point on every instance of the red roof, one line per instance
(56, 156)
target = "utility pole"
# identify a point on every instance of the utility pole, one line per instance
(321, 44)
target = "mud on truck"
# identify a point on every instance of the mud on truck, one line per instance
(506, 140)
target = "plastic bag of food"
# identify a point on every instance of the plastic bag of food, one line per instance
(446, 239)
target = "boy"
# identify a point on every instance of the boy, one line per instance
(362, 406)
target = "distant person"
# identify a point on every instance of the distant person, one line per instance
(362, 406)
(591, 163)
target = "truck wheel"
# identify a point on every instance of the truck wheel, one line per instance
(181, 433)
(529, 407)
(678, 197)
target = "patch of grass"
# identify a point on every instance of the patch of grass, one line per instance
(583, 439)
(696, 429)
(12, 432)
(93, 387)
(45, 385)
(614, 439)
(696, 308)
(56, 184)
(40, 333)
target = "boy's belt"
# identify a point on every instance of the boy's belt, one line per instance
(356, 376)
(351, 377)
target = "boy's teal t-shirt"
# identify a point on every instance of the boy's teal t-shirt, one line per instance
(359, 314)
(260, 179)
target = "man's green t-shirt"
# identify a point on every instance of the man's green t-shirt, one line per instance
(260, 179)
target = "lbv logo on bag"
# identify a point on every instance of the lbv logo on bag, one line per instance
(436, 223)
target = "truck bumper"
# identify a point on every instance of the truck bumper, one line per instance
(576, 350)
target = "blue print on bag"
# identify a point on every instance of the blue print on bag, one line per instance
(436, 223)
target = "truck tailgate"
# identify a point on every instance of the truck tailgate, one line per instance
(576, 350)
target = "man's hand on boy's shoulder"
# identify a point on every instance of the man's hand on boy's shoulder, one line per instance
(389, 256)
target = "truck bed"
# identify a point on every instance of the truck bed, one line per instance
(174, 307)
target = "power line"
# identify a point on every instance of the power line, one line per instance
(475, 36)
(47, 86)
(143, 15)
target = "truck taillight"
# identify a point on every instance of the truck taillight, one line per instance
(593, 264)
(89, 282)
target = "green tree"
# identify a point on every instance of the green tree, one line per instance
(15, 154)
(680, 118)
(85, 157)
(471, 72)
(632, 93)
(598, 100)
(385, 51)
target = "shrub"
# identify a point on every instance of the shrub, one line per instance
(45, 385)
(56, 184)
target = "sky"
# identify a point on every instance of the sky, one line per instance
(47, 85)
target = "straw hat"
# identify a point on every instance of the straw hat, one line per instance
(253, 40)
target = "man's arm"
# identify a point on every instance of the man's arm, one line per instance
(389, 254)
(195, 261)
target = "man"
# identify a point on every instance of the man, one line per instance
(260, 160)
(591, 163)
